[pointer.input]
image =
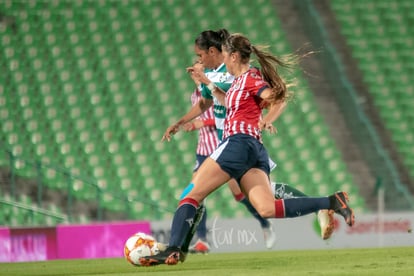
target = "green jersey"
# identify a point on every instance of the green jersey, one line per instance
(223, 80)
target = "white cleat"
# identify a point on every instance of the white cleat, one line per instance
(269, 236)
(326, 222)
(161, 246)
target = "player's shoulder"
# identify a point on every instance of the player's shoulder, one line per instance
(254, 73)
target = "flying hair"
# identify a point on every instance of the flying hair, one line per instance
(269, 64)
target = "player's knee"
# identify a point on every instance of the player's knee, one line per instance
(265, 211)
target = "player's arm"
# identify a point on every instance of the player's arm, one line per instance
(273, 113)
(199, 123)
(218, 92)
(195, 111)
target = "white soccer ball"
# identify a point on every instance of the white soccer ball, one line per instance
(140, 245)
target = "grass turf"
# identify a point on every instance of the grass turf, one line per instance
(377, 261)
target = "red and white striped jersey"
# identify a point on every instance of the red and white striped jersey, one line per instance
(243, 104)
(207, 136)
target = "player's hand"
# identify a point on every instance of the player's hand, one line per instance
(196, 72)
(195, 76)
(263, 125)
(189, 126)
(170, 132)
(194, 125)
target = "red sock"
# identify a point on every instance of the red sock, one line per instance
(188, 200)
(279, 208)
(239, 197)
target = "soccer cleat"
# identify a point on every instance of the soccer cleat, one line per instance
(161, 246)
(326, 222)
(340, 206)
(269, 236)
(200, 247)
(171, 256)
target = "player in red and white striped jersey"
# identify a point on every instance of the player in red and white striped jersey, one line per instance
(243, 111)
(241, 155)
(206, 125)
(207, 143)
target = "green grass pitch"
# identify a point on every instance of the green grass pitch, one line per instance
(377, 261)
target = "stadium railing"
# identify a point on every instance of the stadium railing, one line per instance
(91, 203)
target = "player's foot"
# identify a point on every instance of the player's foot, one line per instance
(161, 246)
(340, 206)
(269, 236)
(171, 256)
(200, 247)
(326, 222)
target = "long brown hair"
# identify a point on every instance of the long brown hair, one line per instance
(269, 64)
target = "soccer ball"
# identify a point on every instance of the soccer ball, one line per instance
(140, 245)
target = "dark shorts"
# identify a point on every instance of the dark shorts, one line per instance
(199, 160)
(239, 153)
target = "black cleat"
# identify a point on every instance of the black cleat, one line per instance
(171, 256)
(340, 206)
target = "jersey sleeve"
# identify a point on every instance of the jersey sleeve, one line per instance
(223, 85)
(256, 82)
(205, 92)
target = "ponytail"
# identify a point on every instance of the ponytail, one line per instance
(269, 65)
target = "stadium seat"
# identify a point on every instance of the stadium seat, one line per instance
(103, 81)
(387, 62)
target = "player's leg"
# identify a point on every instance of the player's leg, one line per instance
(200, 220)
(283, 190)
(268, 232)
(325, 217)
(208, 178)
(199, 226)
(263, 200)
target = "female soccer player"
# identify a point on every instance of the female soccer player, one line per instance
(206, 143)
(208, 50)
(241, 155)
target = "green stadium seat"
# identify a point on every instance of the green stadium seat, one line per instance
(101, 75)
(386, 71)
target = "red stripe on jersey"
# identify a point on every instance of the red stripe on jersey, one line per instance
(209, 122)
(207, 140)
(243, 105)
(207, 136)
